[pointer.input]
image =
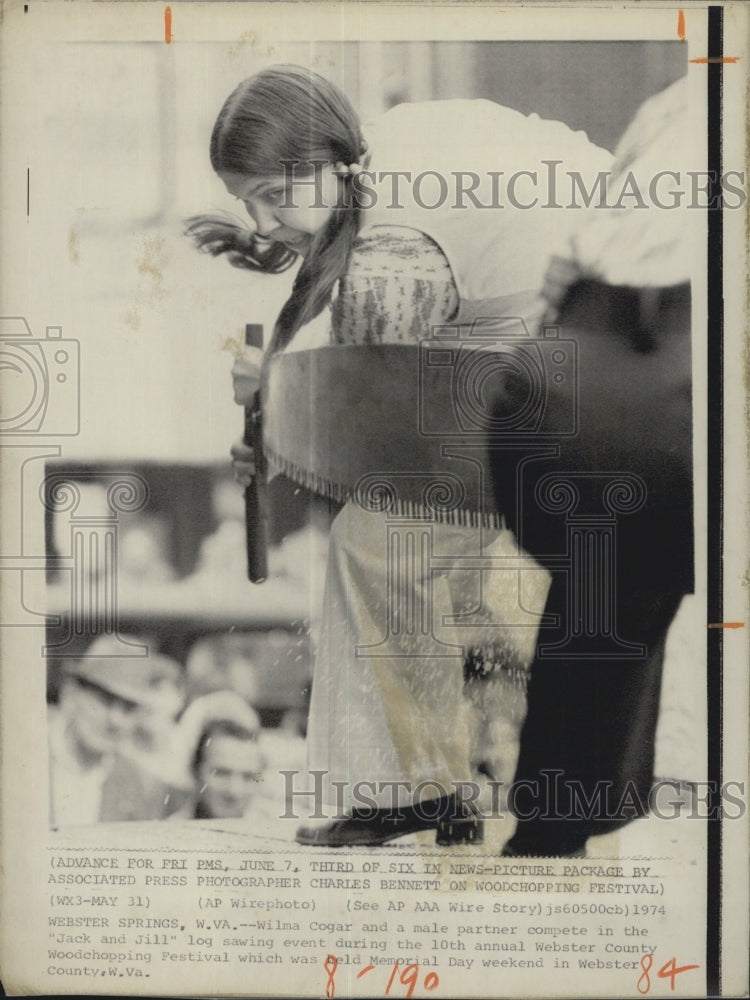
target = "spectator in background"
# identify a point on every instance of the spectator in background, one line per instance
(220, 743)
(227, 767)
(103, 698)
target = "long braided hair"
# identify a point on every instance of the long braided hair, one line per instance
(283, 114)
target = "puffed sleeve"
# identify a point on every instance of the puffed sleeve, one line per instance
(398, 285)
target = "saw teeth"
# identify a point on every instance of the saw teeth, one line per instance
(403, 508)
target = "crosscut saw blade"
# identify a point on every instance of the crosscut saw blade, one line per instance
(400, 428)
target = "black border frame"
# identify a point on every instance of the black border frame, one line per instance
(715, 512)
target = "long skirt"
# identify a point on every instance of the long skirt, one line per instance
(405, 600)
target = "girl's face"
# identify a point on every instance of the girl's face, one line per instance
(286, 210)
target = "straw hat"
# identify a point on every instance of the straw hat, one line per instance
(142, 680)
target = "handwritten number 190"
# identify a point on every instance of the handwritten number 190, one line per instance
(409, 976)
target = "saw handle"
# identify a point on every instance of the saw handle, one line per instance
(255, 499)
(255, 514)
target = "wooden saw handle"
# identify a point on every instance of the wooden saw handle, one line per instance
(255, 500)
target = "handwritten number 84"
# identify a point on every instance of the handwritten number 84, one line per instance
(668, 971)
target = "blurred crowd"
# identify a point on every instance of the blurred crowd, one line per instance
(135, 734)
(147, 738)
(144, 737)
